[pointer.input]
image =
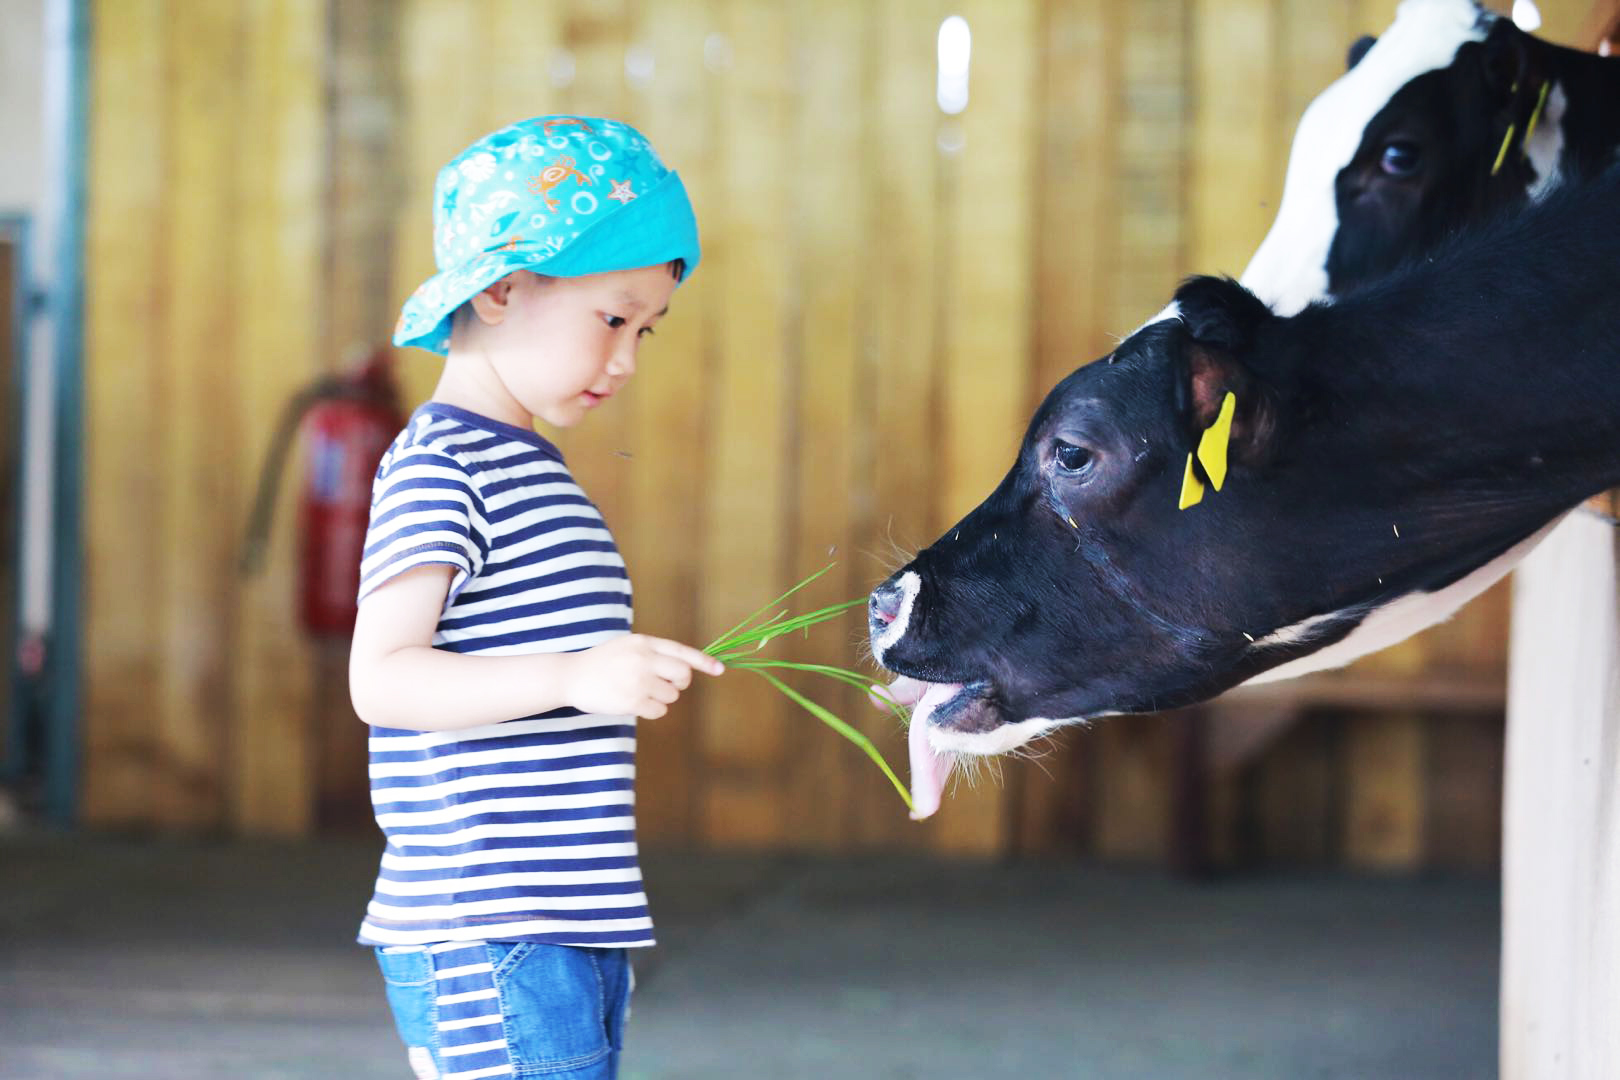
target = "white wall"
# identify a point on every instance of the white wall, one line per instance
(22, 49)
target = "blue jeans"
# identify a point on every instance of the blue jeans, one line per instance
(555, 1011)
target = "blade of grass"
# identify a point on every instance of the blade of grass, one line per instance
(842, 728)
(767, 606)
(782, 623)
(738, 644)
(844, 675)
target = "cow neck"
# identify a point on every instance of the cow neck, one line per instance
(1492, 362)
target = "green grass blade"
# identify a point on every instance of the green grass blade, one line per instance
(842, 728)
(766, 607)
(844, 675)
(755, 638)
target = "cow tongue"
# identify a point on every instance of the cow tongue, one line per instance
(929, 769)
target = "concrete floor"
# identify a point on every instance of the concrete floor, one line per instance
(179, 961)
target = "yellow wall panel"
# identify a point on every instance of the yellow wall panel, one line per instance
(272, 753)
(662, 534)
(744, 562)
(124, 402)
(886, 293)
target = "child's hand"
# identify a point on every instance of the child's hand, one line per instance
(635, 674)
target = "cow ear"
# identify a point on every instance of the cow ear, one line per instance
(1221, 320)
(1358, 49)
(1505, 58)
(1219, 312)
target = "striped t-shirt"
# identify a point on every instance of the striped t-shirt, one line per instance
(523, 830)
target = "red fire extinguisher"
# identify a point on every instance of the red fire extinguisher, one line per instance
(345, 422)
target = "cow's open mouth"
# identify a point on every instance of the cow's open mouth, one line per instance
(930, 765)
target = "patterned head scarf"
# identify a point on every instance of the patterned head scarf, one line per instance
(563, 196)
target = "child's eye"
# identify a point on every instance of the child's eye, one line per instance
(614, 321)
(645, 331)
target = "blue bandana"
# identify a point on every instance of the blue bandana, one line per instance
(563, 196)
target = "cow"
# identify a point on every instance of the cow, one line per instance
(1451, 114)
(1234, 493)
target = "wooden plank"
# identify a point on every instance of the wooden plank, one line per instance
(824, 351)
(1232, 178)
(1135, 756)
(1463, 789)
(988, 248)
(520, 74)
(1076, 103)
(1384, 797)
(1567, 22)
(1150, 164)
(1437, 691)
(1600, 23)
(743, 561)
(364, 187)
(743, 813)
(1077, 107)
(897, 423)
(1296, 792)
(444, 68)
(126, 385)
(1373, 16)
(1314, 38)
(595, 34)
(273, 753)
(196, 448)
(1053, 791)
(10, 284)
(362, 190)
(669, 402)
(1475, 641)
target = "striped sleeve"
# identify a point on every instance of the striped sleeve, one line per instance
(425, 510)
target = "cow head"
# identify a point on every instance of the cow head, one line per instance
(1094, 580)
(1424, 134)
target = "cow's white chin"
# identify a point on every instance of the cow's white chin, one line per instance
(937, 747)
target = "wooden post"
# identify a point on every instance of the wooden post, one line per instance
(1561, 823)
(1561, 842)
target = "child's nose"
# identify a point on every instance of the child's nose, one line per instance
(623, 362)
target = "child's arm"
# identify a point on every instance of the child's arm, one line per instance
(397, 679)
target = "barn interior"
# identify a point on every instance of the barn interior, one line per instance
(916, 218)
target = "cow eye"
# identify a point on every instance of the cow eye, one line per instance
(1071, 458)
(1400, 159)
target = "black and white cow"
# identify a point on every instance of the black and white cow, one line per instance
(1452, 113)
(1383, 449)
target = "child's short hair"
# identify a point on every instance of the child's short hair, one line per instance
(530, 197)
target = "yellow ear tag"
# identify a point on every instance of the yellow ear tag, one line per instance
(1213, 445)
(1530, 128)
(1192, 488)
(1501, 155)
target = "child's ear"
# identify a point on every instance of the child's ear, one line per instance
(492, 302)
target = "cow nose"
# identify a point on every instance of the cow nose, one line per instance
(885, 603)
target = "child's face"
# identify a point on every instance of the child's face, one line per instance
(562, 346)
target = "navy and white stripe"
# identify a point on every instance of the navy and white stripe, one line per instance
(525, 830)
(467, 1005)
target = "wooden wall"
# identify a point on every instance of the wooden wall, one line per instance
(10, 495)
(206, 255)
(886, 293)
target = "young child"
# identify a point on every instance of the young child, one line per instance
(493, 657)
